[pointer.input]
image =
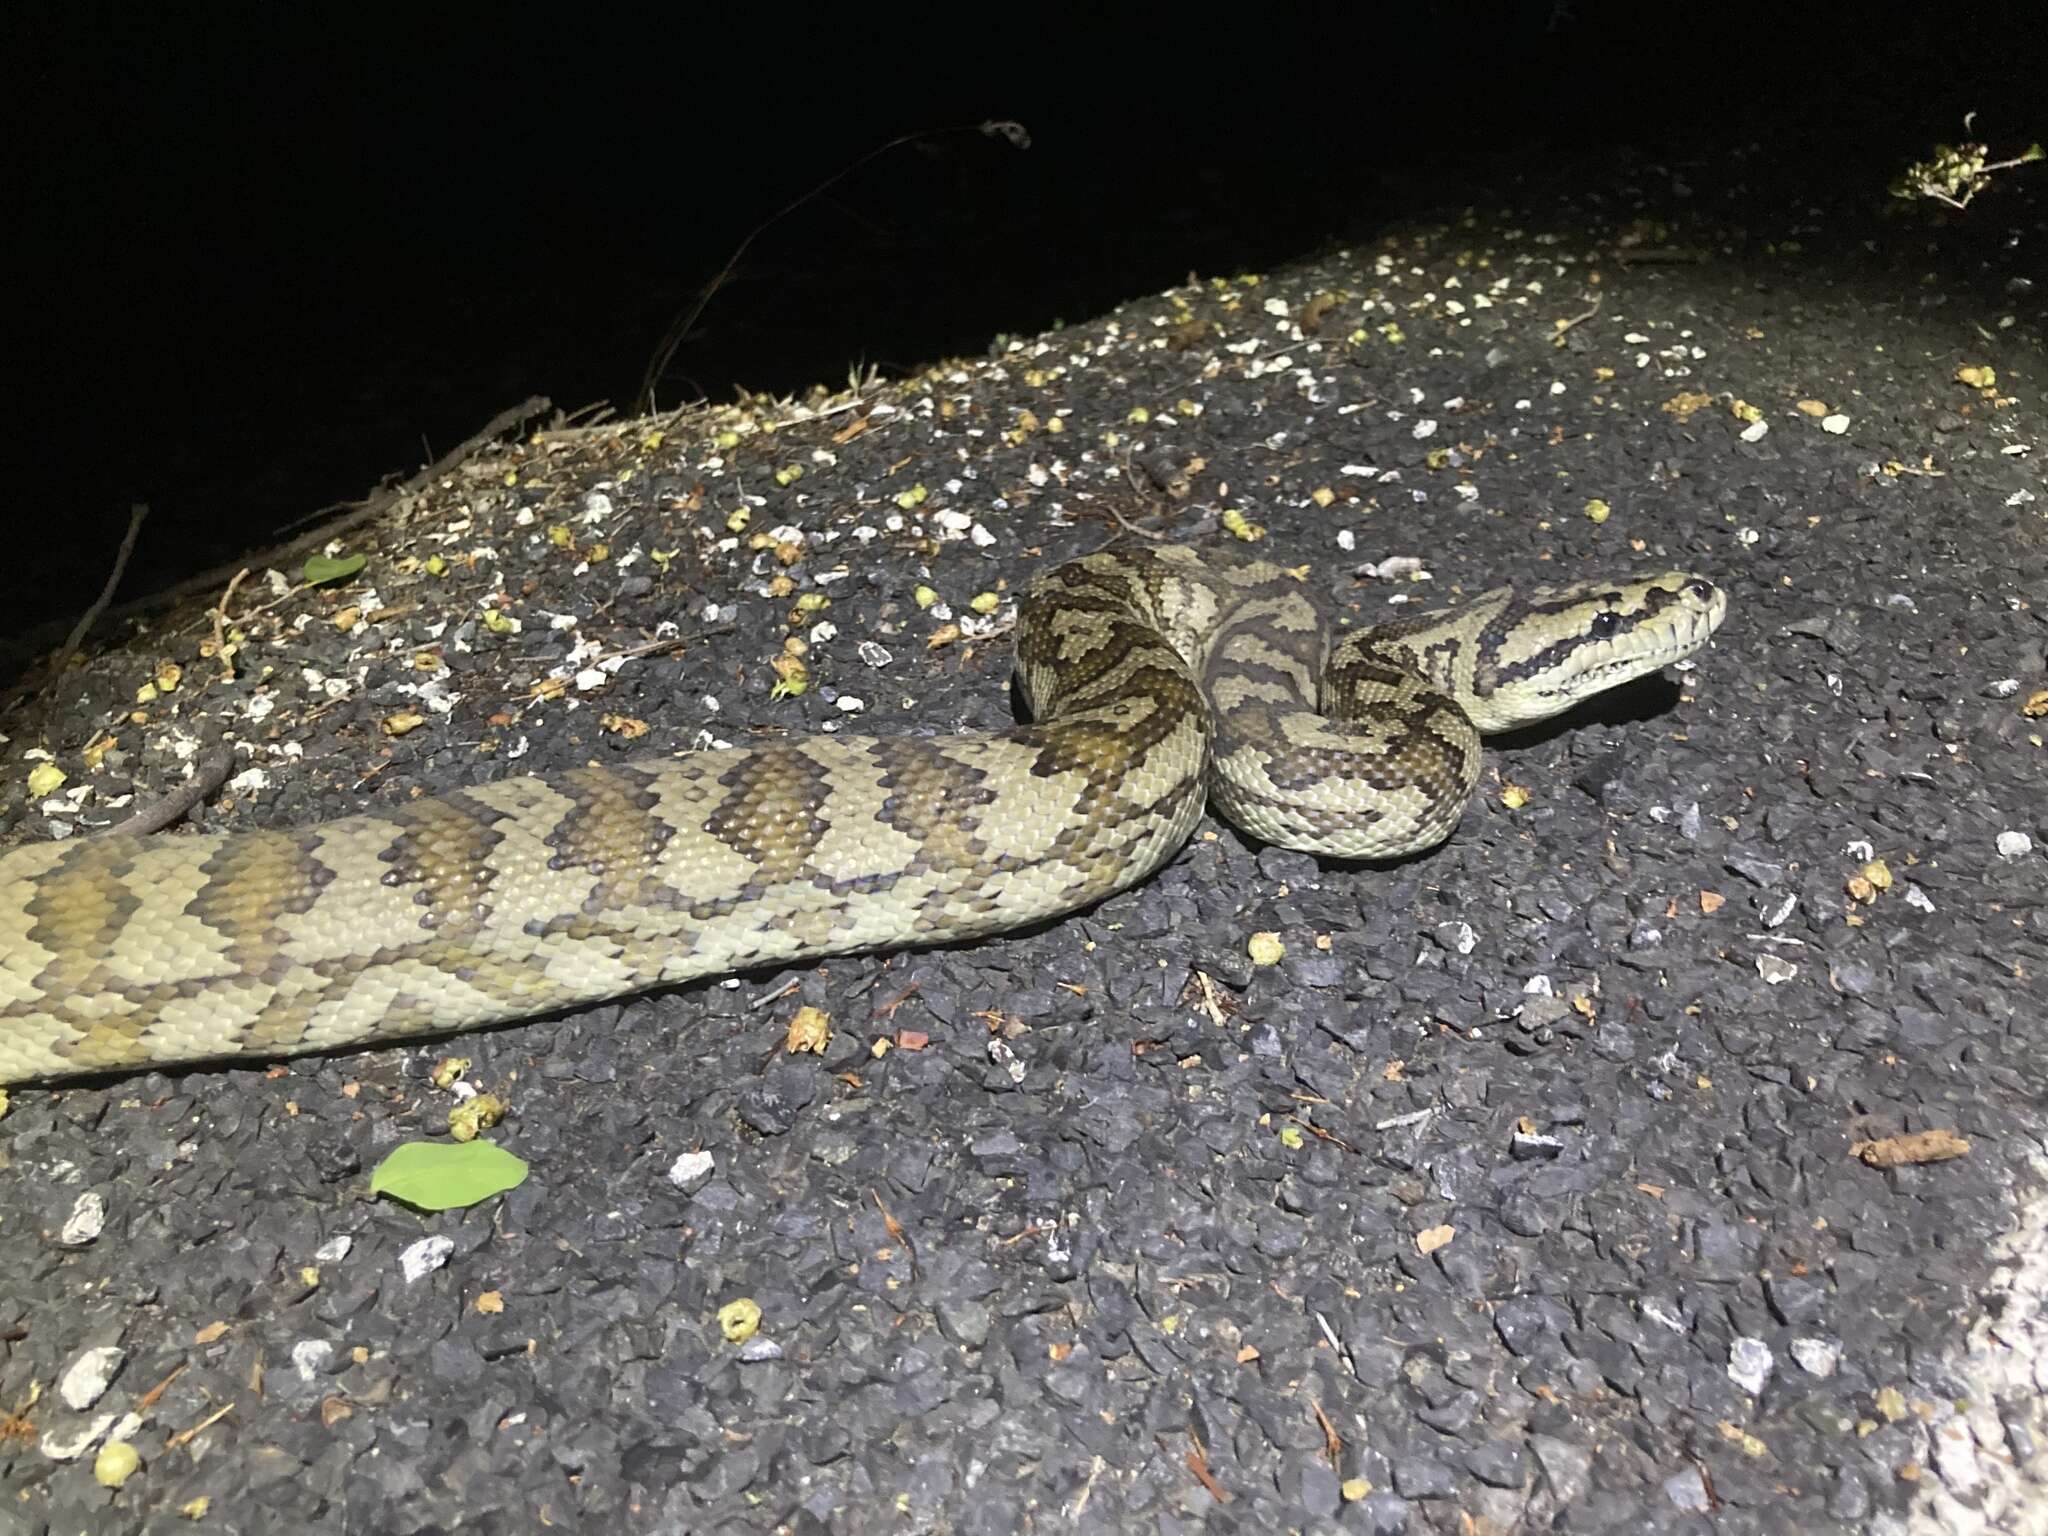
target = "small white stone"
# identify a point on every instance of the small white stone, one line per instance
(2014, 845)
(1000, 1053)
(1955, 1456)
(1688, 1491)
(72, 1441)
(310, 1357)
(1749, 1364)
(1774, 971)
(1837, 423)
(1816, 1357)
(1658, 1314)
(87, 1377)
(690, 1167)
(1755, 431)
(334, 1250)
(87, 1220)
(849, 705)
(424, 1257)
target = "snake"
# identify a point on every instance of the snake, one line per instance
(1155, 683)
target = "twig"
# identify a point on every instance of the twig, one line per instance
(653, 646)
(208, 774)
(787, 989)
(1095, 1466)
(1198, 1463)
(136, 514)
(1336, 1344)
(1397, 1122)
(220, 623)
(154, 1395)
(1013, 133)
(895, 1229)
(1333, 1444)
(1129, 527)
(603, 419)
(1958, 168)
(187, 1436)
(1322, 1135)
(1660, 255)
(1565, 325)
(888, 1009)
(555, 685)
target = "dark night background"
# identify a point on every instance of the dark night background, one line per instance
(274, 257)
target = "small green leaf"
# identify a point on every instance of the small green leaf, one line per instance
(322, 569)
(440, 1176)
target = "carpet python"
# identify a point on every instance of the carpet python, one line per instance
(1155, 682)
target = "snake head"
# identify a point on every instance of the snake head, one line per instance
(1544, 650)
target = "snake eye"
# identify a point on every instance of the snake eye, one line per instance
(1700, 591)
(1604, 626)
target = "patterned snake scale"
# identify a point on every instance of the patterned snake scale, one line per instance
(1155, 681)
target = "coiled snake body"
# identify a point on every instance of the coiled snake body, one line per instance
(1154, 680)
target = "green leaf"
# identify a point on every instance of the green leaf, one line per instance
(440, 1176)
(322, 569)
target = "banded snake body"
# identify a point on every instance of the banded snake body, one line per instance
(1156, 682)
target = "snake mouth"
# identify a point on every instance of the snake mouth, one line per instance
(1649, 650)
